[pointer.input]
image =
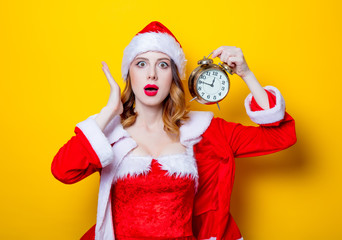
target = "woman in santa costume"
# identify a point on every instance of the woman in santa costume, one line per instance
(167, 173)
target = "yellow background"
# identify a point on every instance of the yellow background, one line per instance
(51, 79)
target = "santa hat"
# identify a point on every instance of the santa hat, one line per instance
(154, 37)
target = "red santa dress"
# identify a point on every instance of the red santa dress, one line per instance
(184, 196)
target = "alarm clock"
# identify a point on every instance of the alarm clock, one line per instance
(209, 83)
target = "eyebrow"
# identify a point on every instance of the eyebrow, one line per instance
(142, 58)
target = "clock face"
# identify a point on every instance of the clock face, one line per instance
(212, 85)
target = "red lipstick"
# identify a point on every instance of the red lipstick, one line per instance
(151, 89)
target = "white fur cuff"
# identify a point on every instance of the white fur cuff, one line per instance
(271, 115)
(97, 140)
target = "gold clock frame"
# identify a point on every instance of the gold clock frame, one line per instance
(206, 64)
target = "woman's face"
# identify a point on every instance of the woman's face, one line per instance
(151, 78)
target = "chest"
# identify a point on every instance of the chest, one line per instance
(155, 143)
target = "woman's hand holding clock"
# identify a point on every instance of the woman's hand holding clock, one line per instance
(233, 56)
(235, 59)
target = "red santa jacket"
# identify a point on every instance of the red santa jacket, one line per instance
(212, 141)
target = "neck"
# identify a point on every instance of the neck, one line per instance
(149, 117)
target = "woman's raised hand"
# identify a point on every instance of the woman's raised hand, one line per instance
(114, 106)
(233, 56)
(114, 101)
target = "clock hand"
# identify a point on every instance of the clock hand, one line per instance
(206, 83)
(212, 84)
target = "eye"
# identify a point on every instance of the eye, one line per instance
(141, 64)
(163, 65)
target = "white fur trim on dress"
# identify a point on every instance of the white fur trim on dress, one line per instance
(152, 41)
(271, 115)
(191, 132)
(177, 165)
(97, 140)
(133, 166)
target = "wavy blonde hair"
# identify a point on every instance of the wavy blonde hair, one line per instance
(175, 111)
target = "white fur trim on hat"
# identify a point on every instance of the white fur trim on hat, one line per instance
(153, 41)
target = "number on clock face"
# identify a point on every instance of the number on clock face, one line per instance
(212, 85)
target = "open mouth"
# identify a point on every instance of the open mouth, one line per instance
(151, 90)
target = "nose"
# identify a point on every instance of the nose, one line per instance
(152, 74)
